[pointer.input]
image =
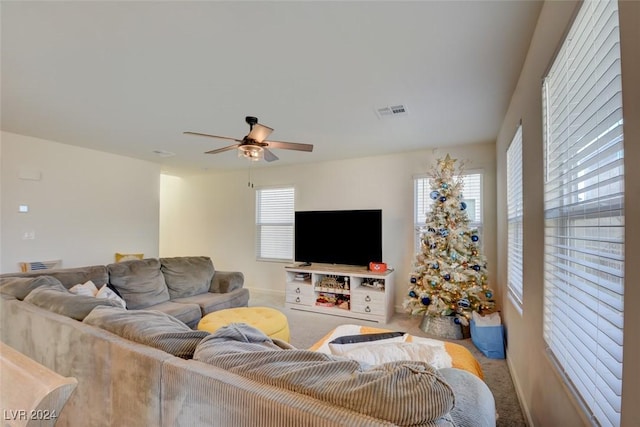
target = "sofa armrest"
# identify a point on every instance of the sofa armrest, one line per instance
(226, 281)
(475, 405)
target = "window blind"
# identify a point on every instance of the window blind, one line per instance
(472, 195)
(514, 220)
(274, 224)
(584, 218)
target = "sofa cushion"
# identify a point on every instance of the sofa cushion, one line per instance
(56, 298)
(210, 301)
(140, 282)
(403, 393)
(187, 276)
(190, 314)
(149, 327)
(20, 287)
(72, 276)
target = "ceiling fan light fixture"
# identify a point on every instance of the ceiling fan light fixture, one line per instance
(251, 152)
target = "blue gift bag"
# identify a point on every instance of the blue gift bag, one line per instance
(489, 340)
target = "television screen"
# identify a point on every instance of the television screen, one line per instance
(350, 237)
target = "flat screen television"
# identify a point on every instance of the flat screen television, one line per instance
(349, 237)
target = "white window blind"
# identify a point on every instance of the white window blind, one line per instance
(514, 219)
(274, 224)
(584, 218)
(472, 195)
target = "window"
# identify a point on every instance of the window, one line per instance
(583, 207)
(274, 224)
(472, 193)
(514, 220)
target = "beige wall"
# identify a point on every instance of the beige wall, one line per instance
(85, 206)
(214, 215)
(546, 400)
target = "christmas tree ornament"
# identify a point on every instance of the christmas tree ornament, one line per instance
(463, 206)
(434, 195)
(412, 294)
(443, 199)
(475, 238)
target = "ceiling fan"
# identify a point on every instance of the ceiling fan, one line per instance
(254, 145)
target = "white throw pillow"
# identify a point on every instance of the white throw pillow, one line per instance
(378, 353)
(88, 289)
(343, 349)
(107, 293)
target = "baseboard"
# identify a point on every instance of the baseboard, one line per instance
(519, 394)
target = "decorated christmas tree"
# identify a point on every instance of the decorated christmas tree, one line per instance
(450, 272)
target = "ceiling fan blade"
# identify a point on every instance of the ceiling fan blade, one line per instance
(220, 150)
(259, 132)
(290, 145)
(269, 156)
(212, 136)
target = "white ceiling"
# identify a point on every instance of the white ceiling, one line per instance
(129, 77)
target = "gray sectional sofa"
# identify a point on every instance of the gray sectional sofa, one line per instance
(184, 287)
(144, 367)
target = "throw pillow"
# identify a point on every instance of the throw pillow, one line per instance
(20, 287)
(140, 282)
(342, 345)
(187, 276)
(403, 393)
(87, 288)
(106, 293)
(376, 353)
(128, 257)
(61, 301)
(149, 327)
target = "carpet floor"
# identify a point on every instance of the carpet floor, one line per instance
(307, 328)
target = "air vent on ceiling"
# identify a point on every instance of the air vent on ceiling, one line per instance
(392, 111)
(162, 153)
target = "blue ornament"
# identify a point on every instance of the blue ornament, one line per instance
(464, 303)
(445, 185)
(413, 280)
(447, 277)
(475, 238)
(454, 256)
(443, 199)
(456, 321)
(488, 294)
(434, 283)
(463, 206)
(434, 194)
(412, 294)
(436, 266)
(426, 300)
(476, 267)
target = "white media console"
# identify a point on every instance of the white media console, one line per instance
(341, 290)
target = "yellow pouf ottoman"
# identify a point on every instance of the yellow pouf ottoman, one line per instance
(269, 320)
